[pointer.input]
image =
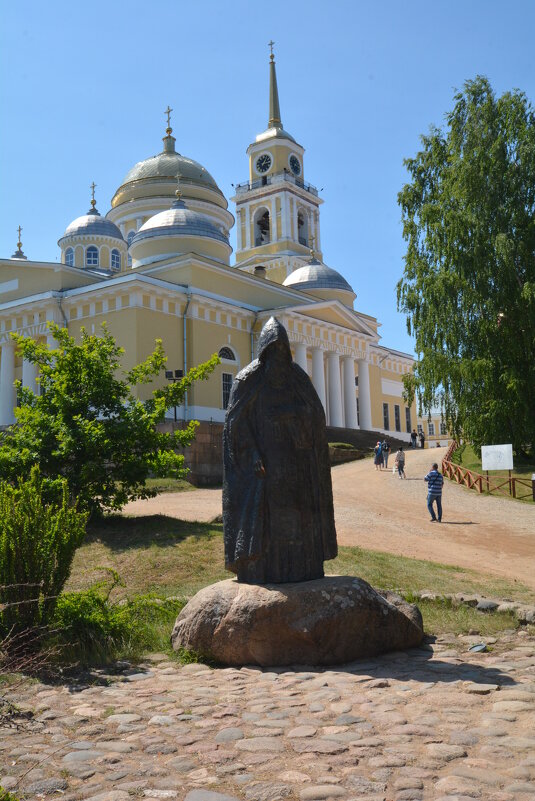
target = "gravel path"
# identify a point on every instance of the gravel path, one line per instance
(434, 723)
(376, 510)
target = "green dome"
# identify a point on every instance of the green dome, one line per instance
(167, 165)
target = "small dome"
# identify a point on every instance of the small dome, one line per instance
(167, 165)
(92, 224)
(179, 221)
(316, 275)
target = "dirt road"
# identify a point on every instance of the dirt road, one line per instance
(377, 510)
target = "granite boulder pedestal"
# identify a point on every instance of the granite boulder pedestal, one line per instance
(327, 621)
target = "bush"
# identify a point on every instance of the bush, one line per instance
(90, 629)
(39, 533)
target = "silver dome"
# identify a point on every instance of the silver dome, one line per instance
(179, 221)
(316, 275)
(168, 165)
(92, 224)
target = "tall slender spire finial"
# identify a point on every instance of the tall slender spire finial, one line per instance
(93, 201)
(274, 109)
(178, 191)
(19, 243)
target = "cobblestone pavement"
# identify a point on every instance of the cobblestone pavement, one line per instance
(438, 722)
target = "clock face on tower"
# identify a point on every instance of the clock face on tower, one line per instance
(263, 163)
(294, 165)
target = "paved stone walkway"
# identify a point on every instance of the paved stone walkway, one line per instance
(438, 722)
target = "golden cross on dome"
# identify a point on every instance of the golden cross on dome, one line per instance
(19, 243)
(93, 201)
(270, 44)
(168, 111)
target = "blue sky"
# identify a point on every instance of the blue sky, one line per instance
(84, 86)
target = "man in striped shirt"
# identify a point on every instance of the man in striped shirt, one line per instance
(434, 492)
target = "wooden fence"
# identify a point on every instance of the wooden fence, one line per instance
(512, 486)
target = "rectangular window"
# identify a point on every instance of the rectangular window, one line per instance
(443, 429)
(227, 379)
(397, 417)
(386, 420)
(431, 428)
(408, 424)
(420, 428)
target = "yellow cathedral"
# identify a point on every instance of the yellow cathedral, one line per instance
(158, 264)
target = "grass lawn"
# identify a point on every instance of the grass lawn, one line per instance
(169, 484)
(169, 557)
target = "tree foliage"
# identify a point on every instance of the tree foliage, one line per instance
(88, 426)
(38, 540)
(469, 279)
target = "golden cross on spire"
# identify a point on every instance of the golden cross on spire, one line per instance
(19, 243)
(270, 44)
(93, 201)
(168, 111)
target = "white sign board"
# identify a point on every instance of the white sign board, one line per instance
(497, 457)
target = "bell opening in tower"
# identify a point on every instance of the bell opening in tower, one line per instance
(261, 228)
(302, 228)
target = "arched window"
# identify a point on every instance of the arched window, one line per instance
(69, 257)
(227, 353)
(115, 260)
(302, 228)
(261, 228)
(130, 236)
(91, 256)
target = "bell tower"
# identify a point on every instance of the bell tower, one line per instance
(277, 211)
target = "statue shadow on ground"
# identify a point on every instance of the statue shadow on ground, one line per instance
(419, 665)
(121, 533)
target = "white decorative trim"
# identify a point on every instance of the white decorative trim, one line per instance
(389, 387)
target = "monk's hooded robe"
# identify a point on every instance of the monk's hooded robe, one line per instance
(277, 494)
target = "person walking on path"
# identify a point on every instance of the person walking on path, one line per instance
(413, 438)
(400, 463)
(378, 456)
(435, 482)
(422, 439)
(385, 449)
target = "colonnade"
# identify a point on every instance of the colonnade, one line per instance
(335, 385)
(30, 371)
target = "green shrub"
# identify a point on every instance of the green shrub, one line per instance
(5, 796)
(39, 533)
(91, 629)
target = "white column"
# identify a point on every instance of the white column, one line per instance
(295, 228)
(7, 377)
(318, 374)
(285, 217)
(350, 405)
(301, 355)
(29, 374)
(247, 228)
(365, 408)
(51, 342)
(335, 390)
(239, 244)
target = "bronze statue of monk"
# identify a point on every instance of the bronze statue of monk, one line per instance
(277, 494)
